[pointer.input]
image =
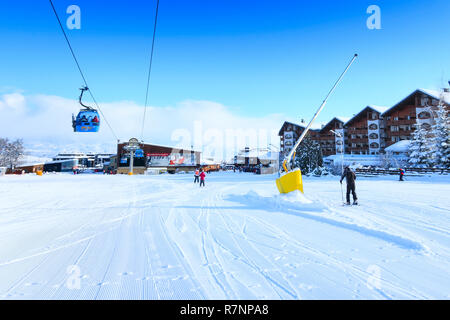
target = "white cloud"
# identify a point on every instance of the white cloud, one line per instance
(46, 120)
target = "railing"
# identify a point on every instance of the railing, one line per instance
(377, 171)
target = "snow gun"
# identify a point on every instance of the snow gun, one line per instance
(291, 179)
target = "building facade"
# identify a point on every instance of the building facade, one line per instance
(416, 109)
(289, 134)
(155, 156)
(331, 137)
(364, 133)
(373, 129)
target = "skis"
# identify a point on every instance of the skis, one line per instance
(349, 204)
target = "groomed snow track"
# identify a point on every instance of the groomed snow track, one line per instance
(162, 237)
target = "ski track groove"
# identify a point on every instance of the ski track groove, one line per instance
(251, 263)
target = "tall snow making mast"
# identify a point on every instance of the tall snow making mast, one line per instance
(291, 180)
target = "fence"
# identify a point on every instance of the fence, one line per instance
(377, 171)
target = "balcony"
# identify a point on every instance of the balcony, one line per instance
(400, 122)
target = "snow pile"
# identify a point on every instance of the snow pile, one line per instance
(293, 200)
(400, 147)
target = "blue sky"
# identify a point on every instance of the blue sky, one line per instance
(256, 57)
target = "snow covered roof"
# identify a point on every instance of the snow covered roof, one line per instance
(271, 155)
(401, 146)
(343, 119)
(432, 93)
(437, 94)
(378, 109)
(315, 126)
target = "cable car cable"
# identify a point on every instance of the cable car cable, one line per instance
(79, 68)
(149, 70)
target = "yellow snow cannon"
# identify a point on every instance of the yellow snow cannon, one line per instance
(291, 179)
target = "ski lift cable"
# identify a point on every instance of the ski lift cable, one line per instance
(79, 68)
(149, 70)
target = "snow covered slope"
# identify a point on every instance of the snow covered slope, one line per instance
(162, 237)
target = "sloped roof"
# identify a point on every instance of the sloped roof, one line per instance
(432, 93)
(378, 109)
(340, 119)
(343, 119)
(314, 127)
(437, 94)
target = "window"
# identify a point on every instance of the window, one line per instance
(373, 136)
(373, 126)
(424, 115)
(394, 128)
(374, 145)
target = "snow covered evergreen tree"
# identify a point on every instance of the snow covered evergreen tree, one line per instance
(420, 148)
(309, 156)
(441, 138)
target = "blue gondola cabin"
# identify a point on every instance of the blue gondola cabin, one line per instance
(86, 121)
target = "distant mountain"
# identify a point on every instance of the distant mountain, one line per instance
(40, 151)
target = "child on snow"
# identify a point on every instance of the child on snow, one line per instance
(196, 176)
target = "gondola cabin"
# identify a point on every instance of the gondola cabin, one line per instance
(86, 121)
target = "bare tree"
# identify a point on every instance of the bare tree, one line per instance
(11, 152)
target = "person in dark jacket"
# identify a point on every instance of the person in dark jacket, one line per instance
(350, 177)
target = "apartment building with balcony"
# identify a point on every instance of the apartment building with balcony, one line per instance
(416, 109)
(332, 135)
(364, 133)
(289, 134)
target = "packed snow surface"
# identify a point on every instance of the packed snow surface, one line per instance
(162, 237)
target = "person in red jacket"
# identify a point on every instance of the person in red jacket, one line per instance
(402, 174)
(202, 177)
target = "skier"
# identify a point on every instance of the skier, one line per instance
(350, 177)
(402, 173)
(202, 177)
(196, 176)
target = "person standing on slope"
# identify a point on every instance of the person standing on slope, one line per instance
(196, 176)
(402, 173)
(350, 177)
(202, 177)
